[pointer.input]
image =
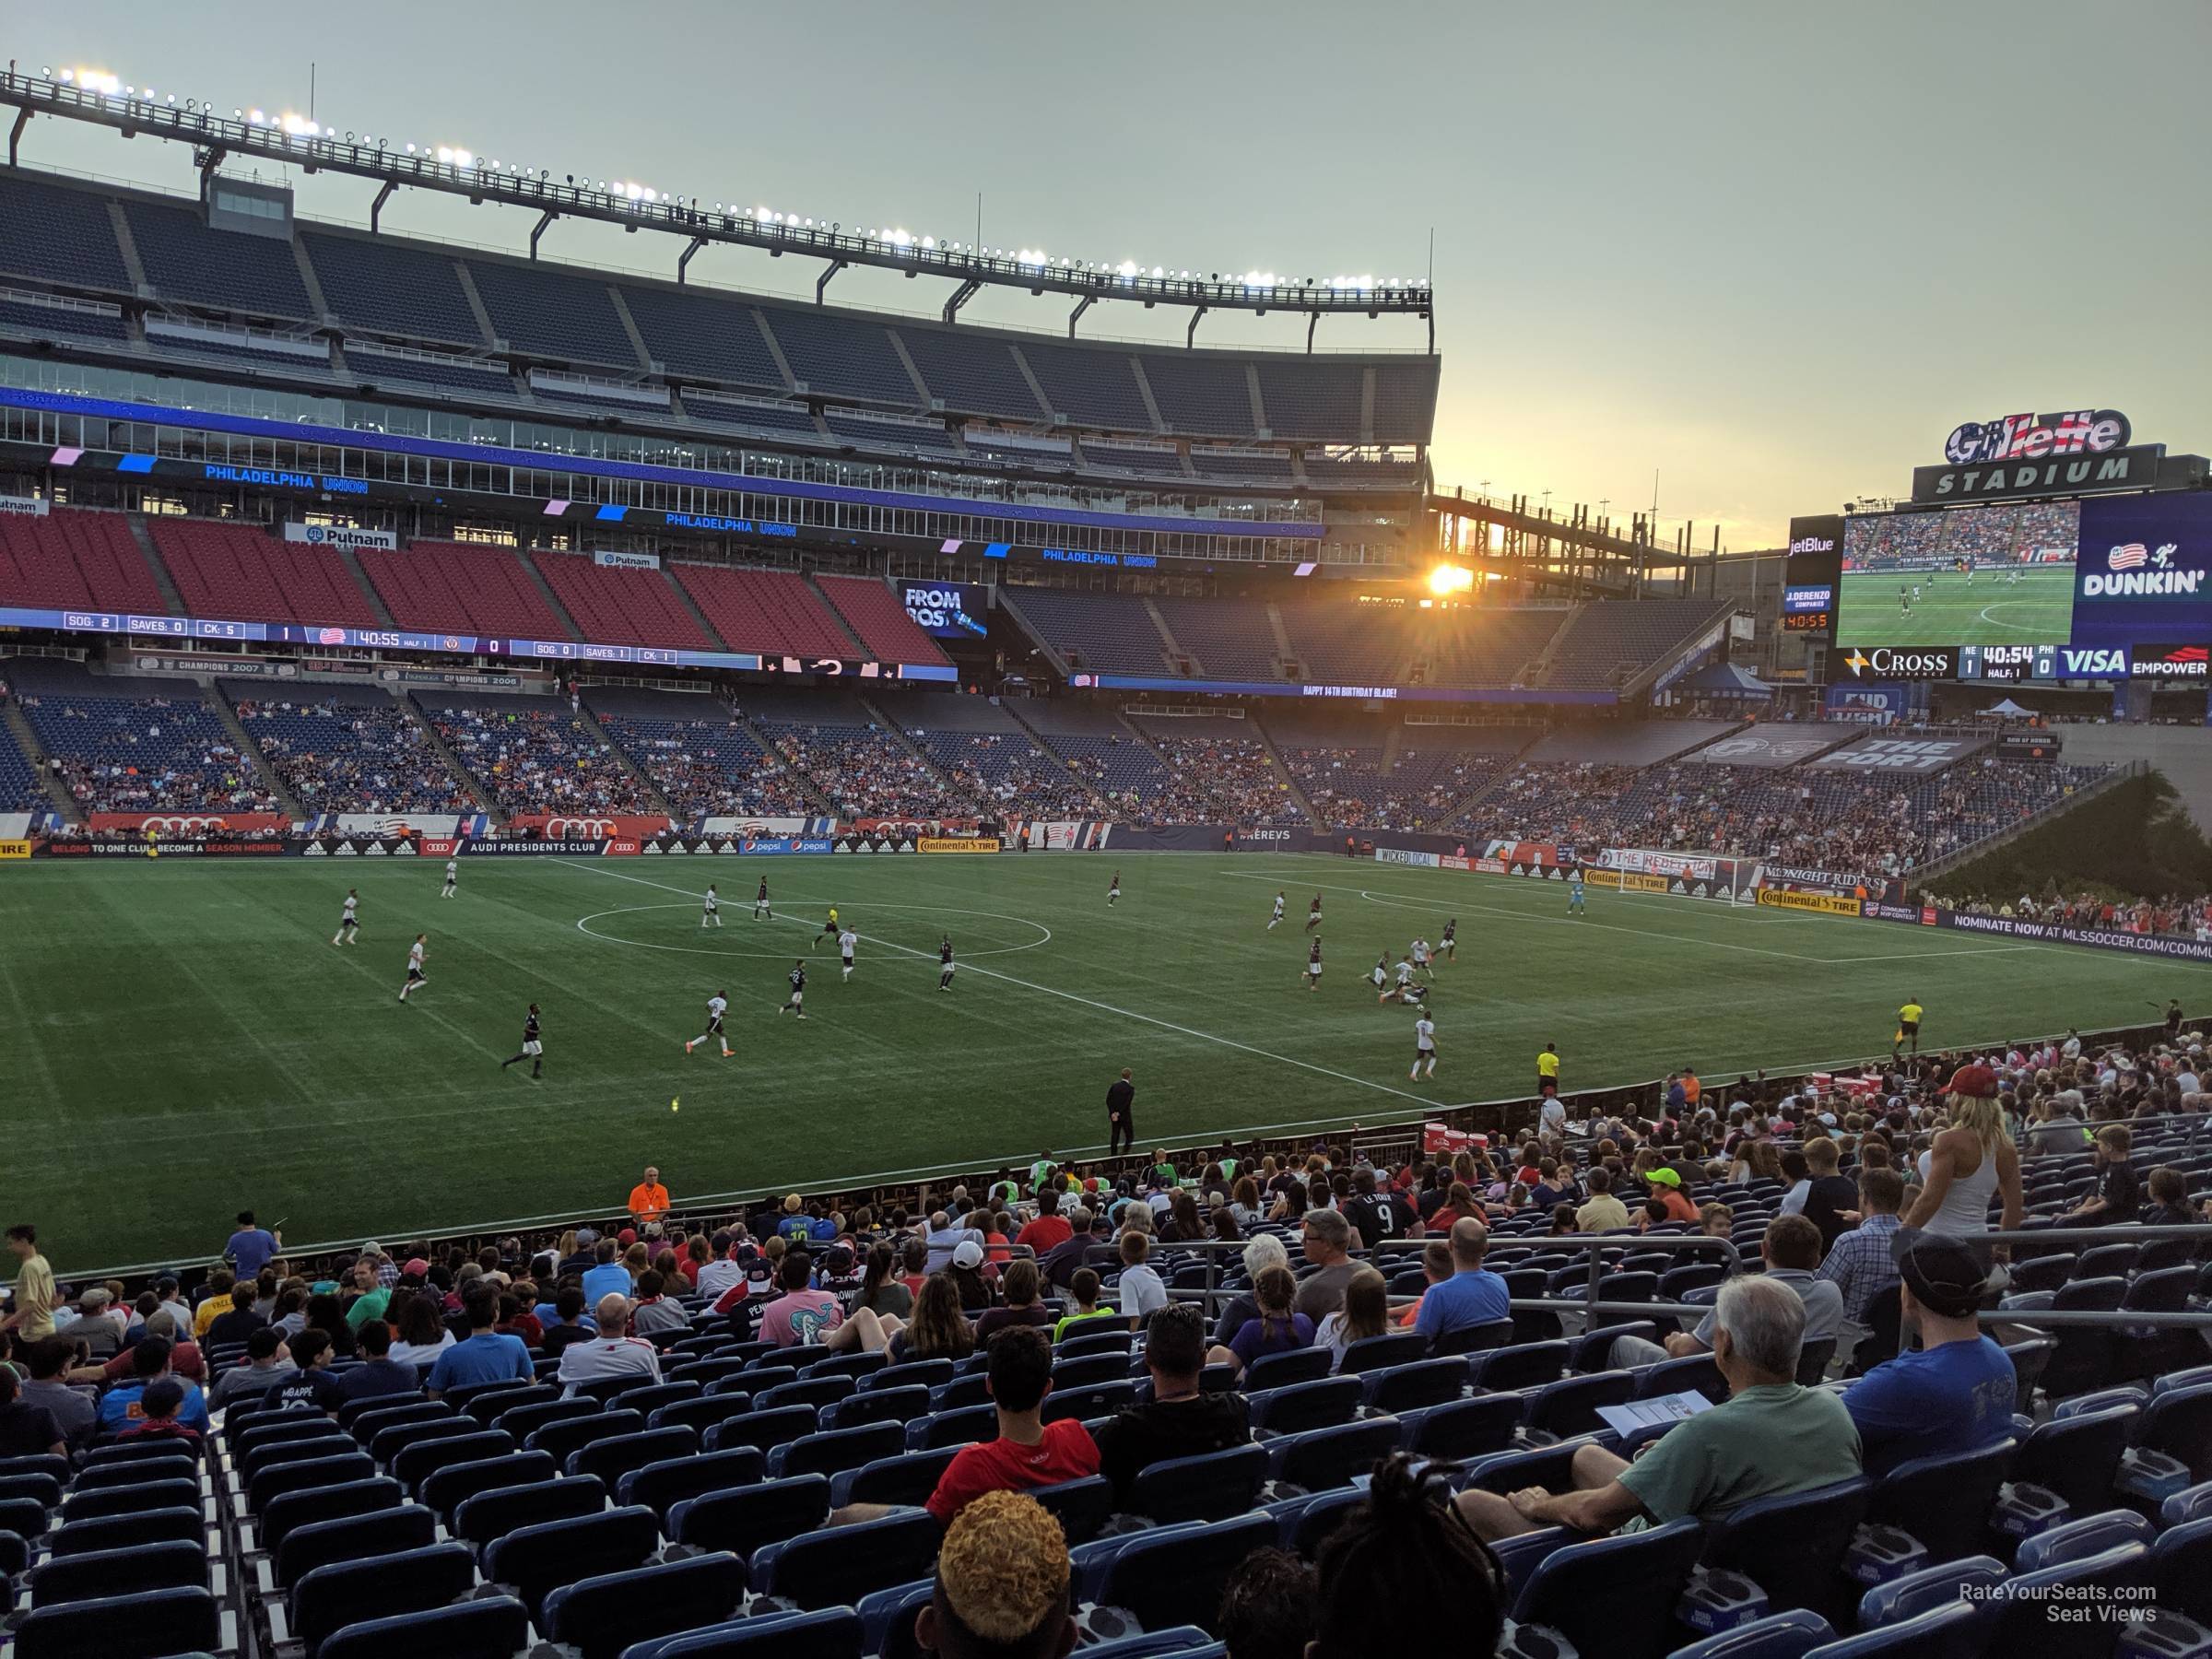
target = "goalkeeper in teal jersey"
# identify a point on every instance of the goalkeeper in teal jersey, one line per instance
(1574, 891)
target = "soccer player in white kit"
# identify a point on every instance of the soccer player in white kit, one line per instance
(452, 878)
(710, 911)
(1420, 957)
(1405, 980)
(717, 1005)
(348, 924)
(1275, 921)
(1424, 1045)
(845, 941)
(415, 974)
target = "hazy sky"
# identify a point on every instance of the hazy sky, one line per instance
(1773, 251)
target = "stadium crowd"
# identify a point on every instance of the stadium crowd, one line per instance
(535, 760)
(866, 771)
(338, 756)
(1218, 781)
(1841, 1210)
(150, 754)
(708, 766)
(1006, 770)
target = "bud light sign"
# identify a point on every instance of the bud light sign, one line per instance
(2144, 571)
(946, 609)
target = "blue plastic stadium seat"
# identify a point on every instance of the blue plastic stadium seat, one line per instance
(451, 1487)
(602, 1616)
(2020, 1622)
(1523, 1365)
(1944, 1502)
(172, 1566)
(832, 1453)
(325, 1503)
(1209, 1486)
(703, 1414)
(907, 1478)
(661, 1486)
(1951, 1631)
(1170, 1575)
(1905, 1598)
(877, 1405)
(1788, 1635)
(762, 1429)
(1475, 1339)
(1586, 1590)
(1082, 1506)
(1792, 1547)
(742, 1520)
(2077, 1457)
(493, 1627)
(1092, 1400)
(1375, 1353)
(116, 1532)
(1278, 1370)
(2180, 1569)
(2079, 1540)
(1320, 1458)
(956, 1428)
(2178, 1423)
(489, 1404)
(413, 1581)
(833, 1633)
(1401, 1388)
(838, 1566)
(537, 1559)
(1298, 1406)
(1569, 1406)
(1461, 1429)
(489, 1515)
(618, 1455)
(1304, 1521)
(351, 1538)
(145, 1626)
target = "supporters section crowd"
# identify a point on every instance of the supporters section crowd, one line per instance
(539, 759)
(338, 756)
(1296, 1373)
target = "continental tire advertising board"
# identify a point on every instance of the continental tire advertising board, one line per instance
(960, 844)
(1828, 904)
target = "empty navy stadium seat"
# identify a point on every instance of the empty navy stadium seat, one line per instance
(266, 1484)
(923, 1373)
(887, 1619)
(744, 1519)
(833, 1452)
(1475, 1339)
(762, 1429)
(446, 1490)
(701, 1414)
(1461, 1429)
(534, 1560)
(1790, 1635)
(602, 1616)
(1791, 1547)
(1523, 1365)
(2180, 1569)
(492, 1627)
(1281, 1370)
(1082, 1506)
(1569, 1406)
(121, 1531)
(877, 1405)
(573, 1434)
(663, 1484)
(1302, 1406)
(816, 1392)
(325, 1503)
(1328, 1457)
(1374, 1353)
(351, 1538)
(2178, 1423)
(413, 1581)
(907, 1478)
(146, 1626)
(488, 1404)
(1092, 1400)
(1944, 1502)
(649, 1397)
(1170, 1575)
(1398, 1388)
(1086, 1368)
(490, 1516)
(838, 1566)
(2079, 1540)
(2077, 1457)
(1951, 1631)
(525, 1419)
(144, 1468)
(832, 1633)
(1692, 1372)
(618, 1455)
(45, 1489)
(1209, 1486)
(1905, 1598)
(954, 1428)
(1585, 1591)
(2022, 1623)
(353, 1411)
(172, 1566)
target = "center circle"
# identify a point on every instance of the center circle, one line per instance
(740, 916)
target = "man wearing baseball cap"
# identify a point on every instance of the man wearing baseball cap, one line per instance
(1958, 1390)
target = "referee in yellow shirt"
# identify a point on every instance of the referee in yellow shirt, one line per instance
(1908, 1027)
(1548, 1070)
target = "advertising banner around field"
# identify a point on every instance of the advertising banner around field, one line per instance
(2055, 933)
(341, 535)
(166, 846)
(12, 849)
(1403, 855)
(765, 845)
(743, 827)
(186, 825)
(1519, 855)
(853, 842)
(960, 844)
(558, 826)
(15, 825)
(386, 825)
(1684, 874)
(1919, 757)
(1831, 904)
(1869, 705)
(1059, 835)
(2145, 571)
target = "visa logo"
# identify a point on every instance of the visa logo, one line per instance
(2079, 662)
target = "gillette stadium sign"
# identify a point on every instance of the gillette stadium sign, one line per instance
(2075, 452)
(2033, 437)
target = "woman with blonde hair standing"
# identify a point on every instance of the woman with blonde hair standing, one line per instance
(1968, 1161)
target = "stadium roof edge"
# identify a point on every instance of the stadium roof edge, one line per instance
(214, 139)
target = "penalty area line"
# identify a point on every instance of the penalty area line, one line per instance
(1165, 1025)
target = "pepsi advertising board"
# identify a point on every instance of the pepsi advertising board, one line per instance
(947, 610)
(2144, 571)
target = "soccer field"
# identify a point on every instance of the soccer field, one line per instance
(179, 1038)
(2038, 610)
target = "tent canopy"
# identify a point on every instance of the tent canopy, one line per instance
(2011, 710)
(1723, 679)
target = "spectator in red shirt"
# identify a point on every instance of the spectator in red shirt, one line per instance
(1050, 1230)
(1028, 1453)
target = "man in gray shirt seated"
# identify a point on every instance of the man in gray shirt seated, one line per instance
(1791, 1248)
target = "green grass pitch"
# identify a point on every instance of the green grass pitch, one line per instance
(2038, 610)
(179, 1038)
